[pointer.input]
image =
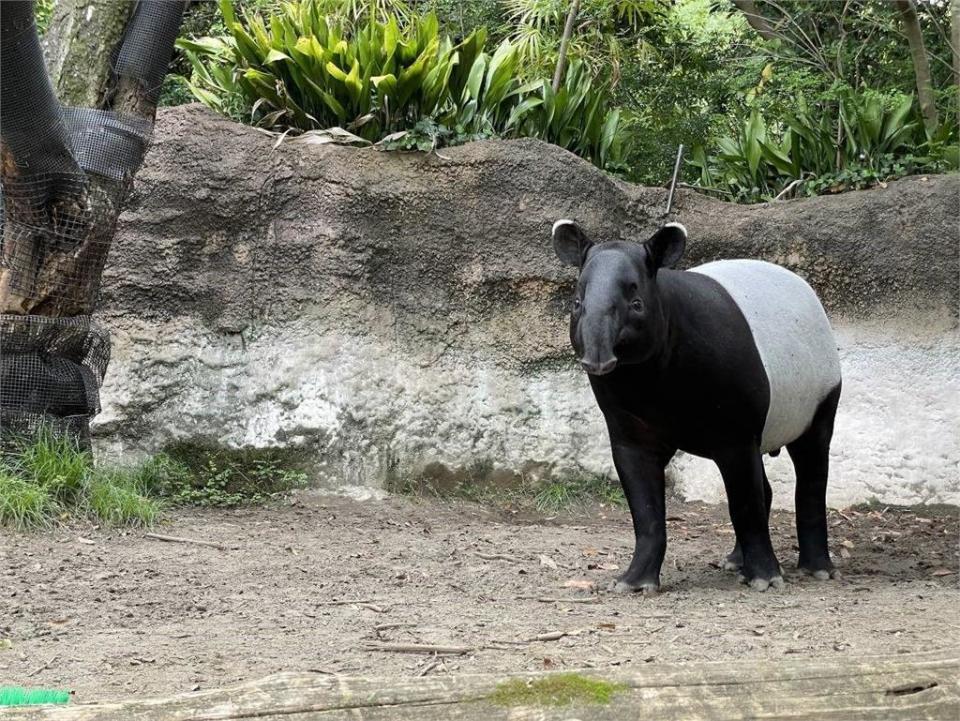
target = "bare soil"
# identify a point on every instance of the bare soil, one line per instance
(114, 614)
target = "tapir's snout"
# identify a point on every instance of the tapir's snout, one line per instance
(601, 368)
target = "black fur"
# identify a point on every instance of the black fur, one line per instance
(673, 366)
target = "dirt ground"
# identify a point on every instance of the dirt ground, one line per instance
(114, 614)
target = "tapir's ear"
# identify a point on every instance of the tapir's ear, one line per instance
(570, 243)
(666, 246)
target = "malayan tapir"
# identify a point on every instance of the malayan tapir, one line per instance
(727, 361)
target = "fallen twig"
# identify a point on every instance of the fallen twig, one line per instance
(429, 667)
(419, 648)
(388, 626)
(497, 557)
(44, 667)
(179, 539)
(349, 602)
(554, 635)
(544, 599)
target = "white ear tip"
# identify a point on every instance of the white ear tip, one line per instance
(677, 225)
(562, 221)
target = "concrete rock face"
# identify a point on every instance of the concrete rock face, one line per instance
(402, 314)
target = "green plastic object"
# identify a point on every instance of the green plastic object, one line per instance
(19, 696)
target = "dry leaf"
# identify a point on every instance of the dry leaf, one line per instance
(580, 583)
(548, 562)
(942, 572)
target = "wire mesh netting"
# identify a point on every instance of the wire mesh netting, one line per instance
(50, 373)
(64, 173)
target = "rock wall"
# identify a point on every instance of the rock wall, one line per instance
(403, 314)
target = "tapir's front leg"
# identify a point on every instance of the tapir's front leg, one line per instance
(641, 471)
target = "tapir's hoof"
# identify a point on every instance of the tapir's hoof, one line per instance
(762, 584)
(730, 565)
(647, 588)
(822, 574)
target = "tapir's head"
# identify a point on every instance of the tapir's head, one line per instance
(617, 317)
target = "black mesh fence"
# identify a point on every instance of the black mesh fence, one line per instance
(50, 373)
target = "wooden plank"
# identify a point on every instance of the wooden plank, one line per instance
(915, 687)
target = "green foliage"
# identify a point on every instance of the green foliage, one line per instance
(42, 11)
(558, 495)
(880, 138)
(607, 31)
(49, 478)
(556, 690)
(55, 463)
(306, 70)
(554, 496)
(24, 504)
(190, 474)
(576, 118)
(118, 498)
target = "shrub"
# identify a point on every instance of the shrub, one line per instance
(191, 474)
(306, 70)
(880, 138)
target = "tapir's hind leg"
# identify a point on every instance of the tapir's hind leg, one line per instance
(811, 460)
(742, 471)
(734, 560)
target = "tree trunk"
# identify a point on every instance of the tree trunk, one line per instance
(56, 270)
(955, 38)
(65, 169)
(757, 21)
(921, 66)
(78, 45)
(565, 44)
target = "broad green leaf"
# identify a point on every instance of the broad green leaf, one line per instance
(895, 119)
(475, 79)
(275, 55)
(336, 72)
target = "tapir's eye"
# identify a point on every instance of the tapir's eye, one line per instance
(576, 304)
(637, 305)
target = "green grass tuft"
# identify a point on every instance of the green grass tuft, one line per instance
(557, 690)
(56, 463)
(50, 476)
(558, 495)
(518, 492)
(23, 504)
(116, 498)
